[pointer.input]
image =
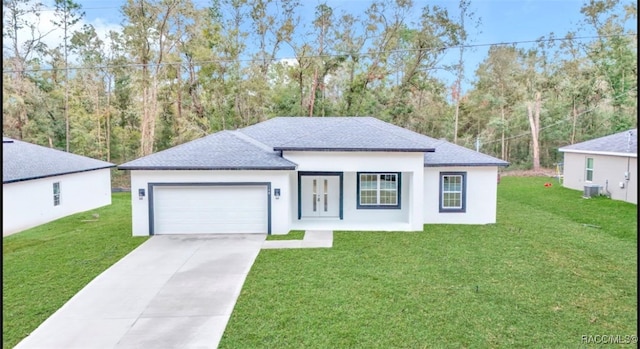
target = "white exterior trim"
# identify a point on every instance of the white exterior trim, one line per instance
(628, 155)
(280, 213)
(481, 196)
(410, 165)
(419, 191)
(27, 204)
(203, 209)
(617, 176)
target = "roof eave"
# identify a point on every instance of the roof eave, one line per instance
(386, 150)
(480, 164)
(206, 168)
(595, 152)
(55, 174)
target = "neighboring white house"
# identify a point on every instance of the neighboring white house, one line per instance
(333, 173)
(41, 184)
(610, 163)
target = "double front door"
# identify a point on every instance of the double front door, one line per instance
(320, 195)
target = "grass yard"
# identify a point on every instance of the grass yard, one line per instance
(43, 267)
(292, 235)
(554, 268)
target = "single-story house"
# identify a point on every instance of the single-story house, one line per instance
(609, 163)
(333, 173)
(41, 184)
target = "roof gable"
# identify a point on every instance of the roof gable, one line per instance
(23, 161)
(259, 146)
(336, 134)
(621, 144)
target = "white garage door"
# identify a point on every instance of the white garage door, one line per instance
(210, 209)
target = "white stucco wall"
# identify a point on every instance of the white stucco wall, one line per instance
(410, 165)
(481, 196)
(280, 213)
(30, 203)
(608, 172)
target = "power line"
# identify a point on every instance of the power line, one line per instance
(526, 134)
(333, 55)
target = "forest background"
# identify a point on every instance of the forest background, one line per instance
(178, 70)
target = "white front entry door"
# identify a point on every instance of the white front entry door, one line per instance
(320, 196)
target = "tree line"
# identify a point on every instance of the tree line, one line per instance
(177, 71)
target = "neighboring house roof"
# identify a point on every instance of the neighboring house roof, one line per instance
(336, 134)
(224, 150)
(259, 146)
(22, 161)
(619, 144)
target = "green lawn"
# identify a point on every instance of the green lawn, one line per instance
(554, 268)
(43, 267)
(292, 235)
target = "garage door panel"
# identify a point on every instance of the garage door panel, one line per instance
(210, 209)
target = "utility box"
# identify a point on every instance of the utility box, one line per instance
(591, 190)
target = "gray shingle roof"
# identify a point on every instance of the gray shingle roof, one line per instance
(258, 146)
(225, 150)
(336, 134)
(621, 143)
(448, 154)
(23, 161)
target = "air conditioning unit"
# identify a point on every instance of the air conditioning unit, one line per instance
(591, 190)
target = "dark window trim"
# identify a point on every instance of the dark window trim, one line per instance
(464, 193)
(587, 169)
(397, 206)
(57, 200)
(315, 173)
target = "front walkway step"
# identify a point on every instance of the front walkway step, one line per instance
(312, 239)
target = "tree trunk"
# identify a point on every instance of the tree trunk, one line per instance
(179, 97)
(312, 96)
(575, 120)
(502, 150)
(108, 121)
(145, 123)
(533, 111)
(455, 122)
(98, 117)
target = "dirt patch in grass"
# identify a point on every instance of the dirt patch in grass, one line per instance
(543, 172)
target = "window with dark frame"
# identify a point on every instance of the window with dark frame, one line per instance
(378, 190)
(453, 191)
(56, 194)
(589, 170)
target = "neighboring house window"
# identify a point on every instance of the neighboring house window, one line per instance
(589, 169)
(453, 189)
(56, 194)
(378, 190)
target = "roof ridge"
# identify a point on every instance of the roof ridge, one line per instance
(244, 137)
(398, 133)
(343, 118)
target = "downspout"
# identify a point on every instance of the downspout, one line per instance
(627, 175)
(626, 179)
(606, 188)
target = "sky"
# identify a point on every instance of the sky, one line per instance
(501, 21)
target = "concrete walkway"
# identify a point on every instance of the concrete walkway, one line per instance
(171, 292)
(311, 239)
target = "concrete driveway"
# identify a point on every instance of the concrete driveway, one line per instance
(170, 292)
